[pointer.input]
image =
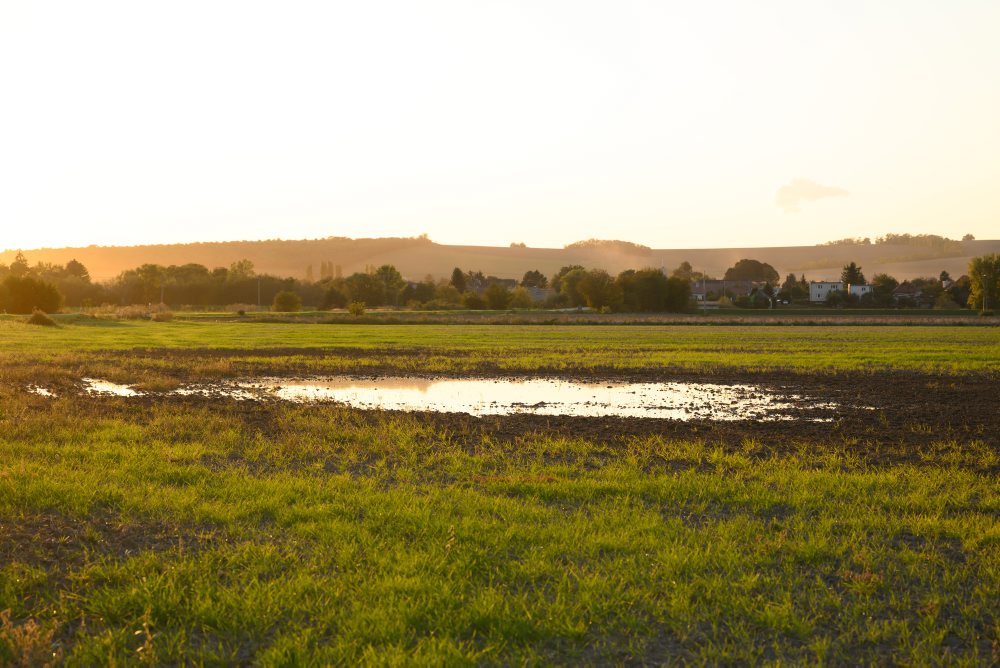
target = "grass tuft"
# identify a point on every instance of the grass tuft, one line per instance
(42, 319)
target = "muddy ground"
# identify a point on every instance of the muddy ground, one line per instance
(897, 413)
(892, 412)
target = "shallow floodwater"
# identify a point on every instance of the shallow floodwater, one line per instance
(505, 396)
(96, 386)
(678, 401)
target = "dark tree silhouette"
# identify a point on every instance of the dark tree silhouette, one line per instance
(752, 270)
(24, 294)
(851, 275)
(534, 279)
(458, 279)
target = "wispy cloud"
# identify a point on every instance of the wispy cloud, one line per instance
(791, 196)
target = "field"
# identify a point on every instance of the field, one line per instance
(183, 529)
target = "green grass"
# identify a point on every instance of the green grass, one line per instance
(466, 348)
(324, 536)
(185, 531)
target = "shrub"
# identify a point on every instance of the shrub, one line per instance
(447, 294)
(25, 295)
(286, 301)
(356, 308)
(497, 297)
(334, 298)
(473, 302)
(133, 312)
(520, 298)
(40, 318)
(163, 316)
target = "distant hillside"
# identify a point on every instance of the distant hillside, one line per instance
(417, 257)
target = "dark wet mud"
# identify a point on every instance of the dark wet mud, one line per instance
(897, 413)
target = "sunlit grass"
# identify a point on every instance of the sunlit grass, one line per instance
(324, 535)
(174, 531)
(443, 348)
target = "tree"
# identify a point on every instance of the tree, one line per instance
(77, 270)
(240, 271)
(569, 285)
(794, 288)
(882, 288)
(534, 279)
(418, 293)
(365, 288)
(475, 280)
(141, 285)
(333, 298)
(684, 270)
(473, 301)
(497, 297)
(448, 294)
(643, 291)
(678, 294)
(557, 279)
(836, 298)
(520, 298)
(286, 301)
(686, 273)
(752, 270)
(984, 282)
(851, 275)
(24, 294)
(458, 279)
(968, 237)
(19, 267)
(392, 282)
(598, 289)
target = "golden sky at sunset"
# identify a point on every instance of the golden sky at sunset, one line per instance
(674, 124)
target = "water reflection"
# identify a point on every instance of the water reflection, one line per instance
(97, 386)
(679, 401)
(538, 396)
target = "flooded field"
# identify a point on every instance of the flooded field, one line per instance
(537, 396)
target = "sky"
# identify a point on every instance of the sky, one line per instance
(672, 124)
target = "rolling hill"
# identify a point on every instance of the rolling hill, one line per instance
(418, 257)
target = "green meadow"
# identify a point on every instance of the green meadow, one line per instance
(198, 531)
(464, 348)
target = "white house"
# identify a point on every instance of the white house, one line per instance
(818, 290)
(860, 291)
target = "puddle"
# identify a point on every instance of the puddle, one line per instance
(221, 391)
(42, 391)
(677, 401)
(540, 396)
(95, 386)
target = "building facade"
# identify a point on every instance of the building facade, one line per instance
(819, 290)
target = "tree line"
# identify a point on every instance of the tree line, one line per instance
(48, 287)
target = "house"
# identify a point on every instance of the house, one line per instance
(908, 294)
(540, 294)
(820, 290)
(713, 289)
(480, 288)
(860, 291)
